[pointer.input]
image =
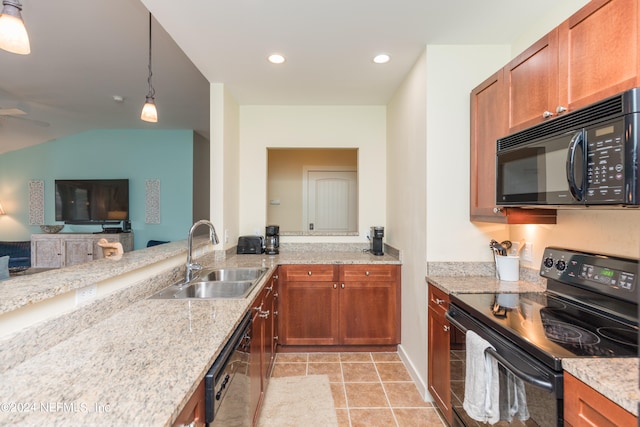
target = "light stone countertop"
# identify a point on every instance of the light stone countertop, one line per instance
(140, 365)
(617, 379)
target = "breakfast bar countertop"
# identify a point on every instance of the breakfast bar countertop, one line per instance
(140, 365)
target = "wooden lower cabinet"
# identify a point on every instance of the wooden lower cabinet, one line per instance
(438, 349)
(193, 413)
(339, 305)
(263, 343)
(585, 407)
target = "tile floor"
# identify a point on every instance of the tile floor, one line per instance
(369, 389)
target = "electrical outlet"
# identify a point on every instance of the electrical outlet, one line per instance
(84, 295)
(514, 248)
(527, 252)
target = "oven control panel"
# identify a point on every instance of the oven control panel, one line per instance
(601, 273)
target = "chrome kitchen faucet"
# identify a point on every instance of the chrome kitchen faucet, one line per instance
(191, 266)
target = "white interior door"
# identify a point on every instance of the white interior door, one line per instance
(332, 204)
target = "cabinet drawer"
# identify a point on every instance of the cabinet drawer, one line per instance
(308, 272)
(378, 273)
(438, 300)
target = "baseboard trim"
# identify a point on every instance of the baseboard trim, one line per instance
(413, 372)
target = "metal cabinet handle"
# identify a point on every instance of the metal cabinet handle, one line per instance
(269, 288)
(309, 273)
(446, 328)
(275, 312)
(258, 308)
(275, 277)
(439, 301)
(342, 286)
(275, 294)
(547, 114)
(366, 273)
(264, 314)
(497, 210)
(335, 286)
(561, 109)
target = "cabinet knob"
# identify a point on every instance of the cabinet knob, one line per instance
(275, 312)
(264, 314)
(275, 338)
(560, 109)
(446, 328)
(335, 286)
(275, 294)
(439, 301)
(497, 210)
(342, 286)
(309, 273)
(275, 277)
(366, 273)
(547, 114)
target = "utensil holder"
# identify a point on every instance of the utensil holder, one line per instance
(508, 268)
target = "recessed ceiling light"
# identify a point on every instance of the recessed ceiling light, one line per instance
(382, 58)
(276, 58)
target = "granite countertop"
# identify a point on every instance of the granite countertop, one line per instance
(617, 379)
(139, 366)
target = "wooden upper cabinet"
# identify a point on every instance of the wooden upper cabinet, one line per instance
(598, 52)
(589, 57)
(532, 83)
(488, 123)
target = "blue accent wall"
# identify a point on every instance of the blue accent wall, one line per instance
(138, 155)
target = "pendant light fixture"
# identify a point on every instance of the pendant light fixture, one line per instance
(13, 34)
(149, 111)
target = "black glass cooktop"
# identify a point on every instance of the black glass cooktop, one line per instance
(550, 327)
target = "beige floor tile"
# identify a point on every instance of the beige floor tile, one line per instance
(365, 395)
(404, 395)
(371, 417)
(355, 357)
(289, 370)
(343, 417)
(332, 370)
(324, 357)
(393, 371)
(339, 399)
(417, 417)
(359, 372)
(386, 357)
(291, 357)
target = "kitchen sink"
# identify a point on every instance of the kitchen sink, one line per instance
(217, 289)
(229, 274)
(221, 283)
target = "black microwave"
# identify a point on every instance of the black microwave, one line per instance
(588, 157)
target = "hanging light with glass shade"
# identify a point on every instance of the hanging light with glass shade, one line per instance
(13, 34)
(149, 111)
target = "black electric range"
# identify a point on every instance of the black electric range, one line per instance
(590, 309)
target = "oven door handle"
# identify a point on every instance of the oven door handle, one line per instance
(537, 382)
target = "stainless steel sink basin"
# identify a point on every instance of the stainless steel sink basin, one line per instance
(229, 274)
(217, 289)
(225, 283)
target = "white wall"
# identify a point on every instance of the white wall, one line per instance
(362, 127)
(406, 210)
(224, 160)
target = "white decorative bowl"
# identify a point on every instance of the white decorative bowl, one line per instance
(51, 229)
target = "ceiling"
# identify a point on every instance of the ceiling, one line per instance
(85, 52)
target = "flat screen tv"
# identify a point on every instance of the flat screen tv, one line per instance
(92, 201)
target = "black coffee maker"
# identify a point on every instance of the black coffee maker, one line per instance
(376, 235)
(272, 240)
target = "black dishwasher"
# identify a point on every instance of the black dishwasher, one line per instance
(227, 383)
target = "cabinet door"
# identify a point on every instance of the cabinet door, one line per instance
(598, 52)
(438, 351)
(584, 407)
(193, 413)
(77, 251)
(46, 253)
(309, 313)
(531, 81)
(369, 313)
(488, 123)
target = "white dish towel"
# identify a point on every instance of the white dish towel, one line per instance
(514, 399)
(482, 385)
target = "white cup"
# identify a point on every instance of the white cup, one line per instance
(508, 268)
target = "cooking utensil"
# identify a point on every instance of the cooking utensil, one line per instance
(497, 248)
(520, 247)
